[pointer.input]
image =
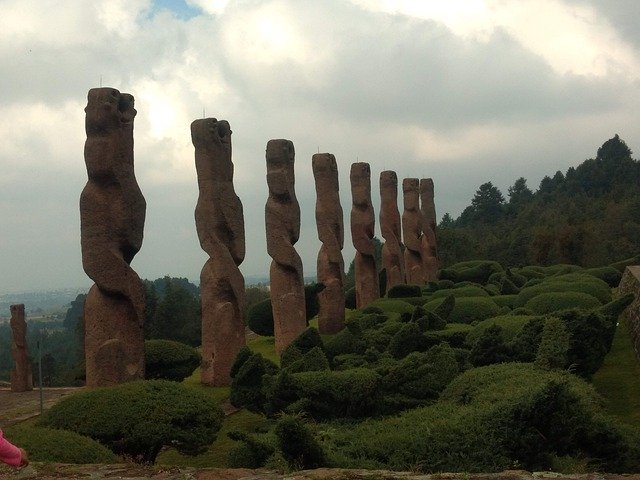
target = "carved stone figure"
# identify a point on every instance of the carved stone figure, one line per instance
(429, 241)
(112, 214)
(220, 225)
(363, 222)
(412, 231)
(21, 378)
(282, 216)
(331, 234)
(392, 258)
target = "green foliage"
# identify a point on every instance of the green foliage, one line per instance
(392, 305)
(466, 291)
(297, 444)
(350, 298)
(468, 309)
(477, 271)
(554, 345)
(74, 314)
(609, 274)
(252, 452)
(622, 264)
(59, 446)
(246, 384)
(567, 283)
(507, 287)
(344, 342)
(510, 324)
(526, 343)
(454, 334)
(311, 361)
(137, 419)
(260, 318)
(408, 339)
(554, 301)
(446, 307)
(614, 309)
(169, 360)
(401, 291)
(490, 348)
(242, 356)
(431, 321)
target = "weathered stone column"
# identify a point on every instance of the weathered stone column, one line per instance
(429, 240)
(363, 223)
(282, 216)
(220, 226)
(331, 234)
(112, 214)
(412, 231)
(392, 259)
(21, 378)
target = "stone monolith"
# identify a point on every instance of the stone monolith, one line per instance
(363, 223)
(21, 378)
(392, 259)
(220, 226)
(112, 214)
(412, 231)
(429, 241)
(331, 233)
(282, 218)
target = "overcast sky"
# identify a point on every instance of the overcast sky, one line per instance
(463, 91)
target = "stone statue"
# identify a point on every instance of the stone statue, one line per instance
(392, 258)
(112, 214)
(412, 231)
(282, 217)
(363, 222)
(220, 225)
(429, 241)
(331, 234)
(21, 378)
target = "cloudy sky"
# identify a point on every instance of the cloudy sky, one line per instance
(463, 91)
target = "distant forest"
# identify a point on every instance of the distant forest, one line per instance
(589, 215)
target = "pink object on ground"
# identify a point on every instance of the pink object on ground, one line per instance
(9, 453)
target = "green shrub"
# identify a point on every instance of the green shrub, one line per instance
(524, 346)
(59, 446)
(554, 346)
(391, 305)
(402, 290)
(507, 287)
(517, 279)
(490, 348)
(311, 303)
(344, 342)
(505, 300)
(350, 298)
(567, 283)
(554, 301)
(622, 264)
(138, 418)
(242, 356)
(169, 360)
(511, 326)
(260, 318)
(454, 334)
(298, 445)
(431, 321)
(468, 309)
(608, 274)
(313, 360)
(477, 271)
(408, 339)
(250, 453)
(521, 311)
(491, 289)
(466, 291)
(614, 309)
(446, 307)
(246, 385)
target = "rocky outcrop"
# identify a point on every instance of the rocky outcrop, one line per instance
(630, 283)
(21, 378)
(412, 232)
(392, 259)
(112, 214)
(429, 241)
(220, 225)
(363, 222)
(282, 217)
(331, 233)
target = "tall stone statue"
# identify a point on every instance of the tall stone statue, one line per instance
(392, 258)
(220, 225)
(112, 214)
(21, 378)
(363, 222)
(429, 240)
(282, 217)
(331, 234)
(412, 231)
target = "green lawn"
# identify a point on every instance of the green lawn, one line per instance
(618, 380)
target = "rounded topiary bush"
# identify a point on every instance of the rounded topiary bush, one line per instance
(402, 290)
(465, 291)
(468, 309)
(609, 274)
(567, 283)
(59, 446)
(555, 301)
(260, 318)
(169, 360)
(137, 419)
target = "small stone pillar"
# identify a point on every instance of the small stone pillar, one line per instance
(429, 240)
(220, 225)
(412, 231)
(112, 214)
(21, 377)
(282, 218)
(331, 234)
(392, 258)
(363, 222)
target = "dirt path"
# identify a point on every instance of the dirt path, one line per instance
(16, 407)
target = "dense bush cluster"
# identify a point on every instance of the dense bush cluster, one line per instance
(169, 360)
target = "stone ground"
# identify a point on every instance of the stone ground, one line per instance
(16, 407)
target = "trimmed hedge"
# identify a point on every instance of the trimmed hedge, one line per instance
(402, 291)
(137, 419)
(567, 283)
(169, 360)
(477, 271)
(554, 301)
(466, 291)
(609, 274)
(512, 325)
(260, 318)
(468, 309)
